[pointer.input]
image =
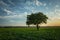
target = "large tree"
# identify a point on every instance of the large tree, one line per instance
(36, 19)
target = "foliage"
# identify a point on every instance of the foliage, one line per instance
(36, 18)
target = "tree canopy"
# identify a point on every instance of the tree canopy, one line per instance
(36, 19)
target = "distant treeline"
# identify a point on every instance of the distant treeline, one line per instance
(11, 26)
(25, 26)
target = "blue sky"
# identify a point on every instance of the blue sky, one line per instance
(14, 12)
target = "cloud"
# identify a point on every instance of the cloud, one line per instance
(16, 20)
(50, 3)
(53, 15)
(52, 23)
(11, 16)
(3, 4)
(57, 6)
(22, 15)
(11, 21)
(44, 4)
(8, 11)
(47, 8)
(57, 12)
(11, 2)
(38, 3)
(28, 3)
(17, 10)
(29, 8)
(1, 16)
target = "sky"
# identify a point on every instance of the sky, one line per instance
(14, 12)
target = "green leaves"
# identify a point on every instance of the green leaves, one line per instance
(36, 18)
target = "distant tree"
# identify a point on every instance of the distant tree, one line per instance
(28, 21)
(36, 19)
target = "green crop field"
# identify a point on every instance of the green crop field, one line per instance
(29, 34)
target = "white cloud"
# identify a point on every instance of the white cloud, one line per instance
(57, 6)
(53, 15)
(22, 15)
(44, 4)
(30, 8)
(11, 16)
(57, 10)
(28, 3)
(25, 13)
(8, 11)
(3, 3)
(11, 2)
(38, 3)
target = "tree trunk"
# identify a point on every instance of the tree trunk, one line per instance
(37, 27)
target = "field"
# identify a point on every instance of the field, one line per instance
(29, 34)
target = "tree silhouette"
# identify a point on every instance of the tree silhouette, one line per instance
(28, 21)
(36, 19)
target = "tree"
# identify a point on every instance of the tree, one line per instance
(36, 19)
(28, 21)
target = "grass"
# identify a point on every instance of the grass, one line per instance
(29, 34)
